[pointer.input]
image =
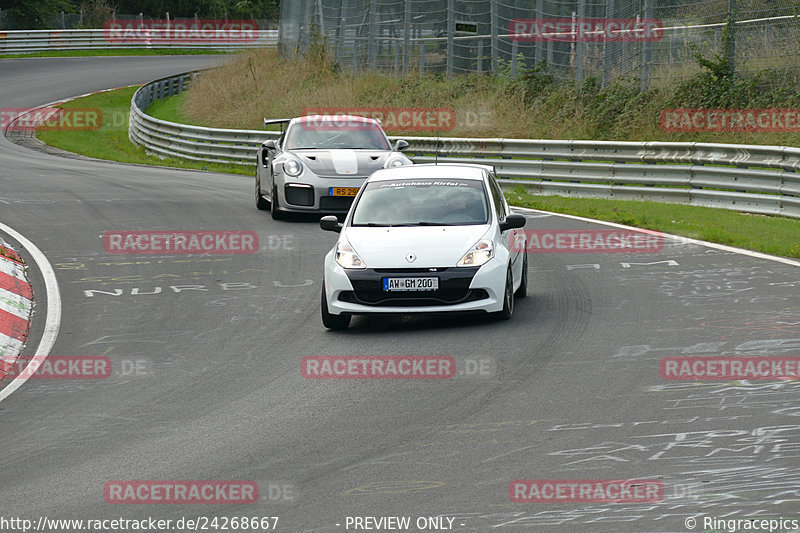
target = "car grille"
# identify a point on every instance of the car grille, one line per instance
(453, 288)
(299, 195)
(335, 203)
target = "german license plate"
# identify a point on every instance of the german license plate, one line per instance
(410, 284)
(342, 191)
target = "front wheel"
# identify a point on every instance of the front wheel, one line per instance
(508, 297)
(522, 292)
(335, 322)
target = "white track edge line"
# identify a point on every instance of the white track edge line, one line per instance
(680, 238)
(53, 317)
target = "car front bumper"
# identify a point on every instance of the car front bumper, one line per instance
(311, 194)
(460, 289)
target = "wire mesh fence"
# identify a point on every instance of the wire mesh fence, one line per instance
(650, 41)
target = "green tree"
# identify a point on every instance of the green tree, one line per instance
(35, 14)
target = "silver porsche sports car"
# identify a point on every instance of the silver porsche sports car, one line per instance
(319, 163)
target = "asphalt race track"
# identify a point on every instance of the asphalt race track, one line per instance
(206, 352)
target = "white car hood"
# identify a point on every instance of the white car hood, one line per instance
(432, 246)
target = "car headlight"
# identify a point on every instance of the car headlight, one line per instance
(292, 167)
(478, 254)
(396, 161)
(346, 257)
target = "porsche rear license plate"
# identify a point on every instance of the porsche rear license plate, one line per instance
(342, 191)
(410, 284)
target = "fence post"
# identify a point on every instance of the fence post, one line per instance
(731, 40)
(514, 52)
(606, 52)
(406, 35)
(539, 43)
(645, 71)
(397, 54)
(321, 22)
(372, 55)
(494, 43)
(581, 44)
(480, 56)
(421, 55)
(451, 29)
(339, 33)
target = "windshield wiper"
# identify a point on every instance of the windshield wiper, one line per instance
(426, 223)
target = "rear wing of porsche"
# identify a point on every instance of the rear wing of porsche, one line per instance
(281, 121)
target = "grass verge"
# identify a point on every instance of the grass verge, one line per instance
(532, 106)
(118, 52)
(772, 235)
(111, 141)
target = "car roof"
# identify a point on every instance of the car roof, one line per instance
(432, 170)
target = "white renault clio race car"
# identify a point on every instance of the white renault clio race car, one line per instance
(425, 239)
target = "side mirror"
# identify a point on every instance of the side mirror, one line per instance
(513, 221)
(269, 145)
(330, 223)
(400, 145)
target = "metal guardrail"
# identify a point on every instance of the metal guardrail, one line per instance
(752, 178)
(25, 41)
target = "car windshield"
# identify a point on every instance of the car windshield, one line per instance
(422, 202)
(356, 135)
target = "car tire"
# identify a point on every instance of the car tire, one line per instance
(335, 322)
(522, 292)
(508, 297)
(274, 207)
(261, 202)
